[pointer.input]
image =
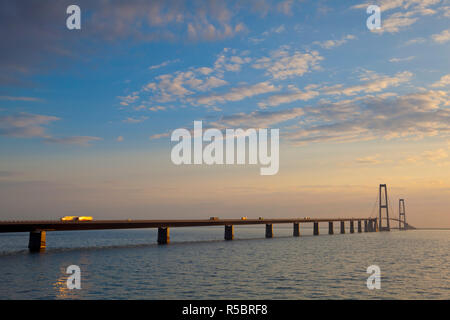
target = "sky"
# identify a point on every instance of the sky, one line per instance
(86, 115)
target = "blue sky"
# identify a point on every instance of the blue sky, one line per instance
(117, 88)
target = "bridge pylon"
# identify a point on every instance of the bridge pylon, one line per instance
(401, 214)
(383, 205)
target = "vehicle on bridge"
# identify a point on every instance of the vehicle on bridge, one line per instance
(68, 218)
(76, 218)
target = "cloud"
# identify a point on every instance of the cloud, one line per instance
(282, 65)
(334, 43)
(442, 37)
(237, 93)
(395, 60)
(294, 95)
(77, 140)
(29, 99)
(163, 64)
(285, 7)
(443, 82)
(369, 159)
(415, 41)
(414, 115)
(407, 13)
(258, 119)
(157, 108)
(41, 42)
(159, 136)
(435, 155)
(134, 120)
(373, 83)
(25, 125)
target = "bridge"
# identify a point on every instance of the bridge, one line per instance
(38, 229)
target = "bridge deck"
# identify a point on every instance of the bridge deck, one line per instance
(28, 226)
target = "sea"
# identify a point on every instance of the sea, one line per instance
(199, 264)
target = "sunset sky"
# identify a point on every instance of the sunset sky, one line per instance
(86, 115)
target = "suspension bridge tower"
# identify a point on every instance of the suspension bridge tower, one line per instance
(383, 205)
(401, 214)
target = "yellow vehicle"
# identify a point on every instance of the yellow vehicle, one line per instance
(84, 218)
(243, 218)
(68, 218)
(214, 218)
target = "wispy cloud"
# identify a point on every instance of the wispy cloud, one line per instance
(328, 44)
(25, 125)
(407, 12)
(237, 93)
(372, 82)
(135, 120)
(11, 98)
(442, 37)
(77, 140)
(414, 115)
(282, 64)
(163, 64)
(443, 82)
(395, 60)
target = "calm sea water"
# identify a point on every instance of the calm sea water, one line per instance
(199, 264)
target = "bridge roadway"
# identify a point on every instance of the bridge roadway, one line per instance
(38, 229)
(54, 225)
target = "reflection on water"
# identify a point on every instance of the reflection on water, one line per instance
(198, 264)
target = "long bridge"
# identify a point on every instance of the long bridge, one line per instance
(38, 229)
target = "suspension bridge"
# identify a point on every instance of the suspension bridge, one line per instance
(37, 229)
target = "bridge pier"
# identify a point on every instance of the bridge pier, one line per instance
(330, 227)
(229, 232)
(352, 226)
(36, 241)
(163, 235)
(366, 227)
(359, 226)
(296, 230)
(342, 227)
(269, 231)
(316, 228)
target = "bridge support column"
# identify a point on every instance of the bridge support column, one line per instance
(366, 227)
(229, 232)
(352, 226)
(342, 227)
(330, 227)
(163, 235)
(316, 228)
(296, 231)
(269, 231)
(359, 226)
(36, 242)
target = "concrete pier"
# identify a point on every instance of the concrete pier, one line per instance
(229, 232)
(342, 227)
(352, 226)
(163, 235)
(269, 231)
(36, 242)
(316, 228)
(296, 231)
(366, 227)
(359, 226)
(330, 227)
